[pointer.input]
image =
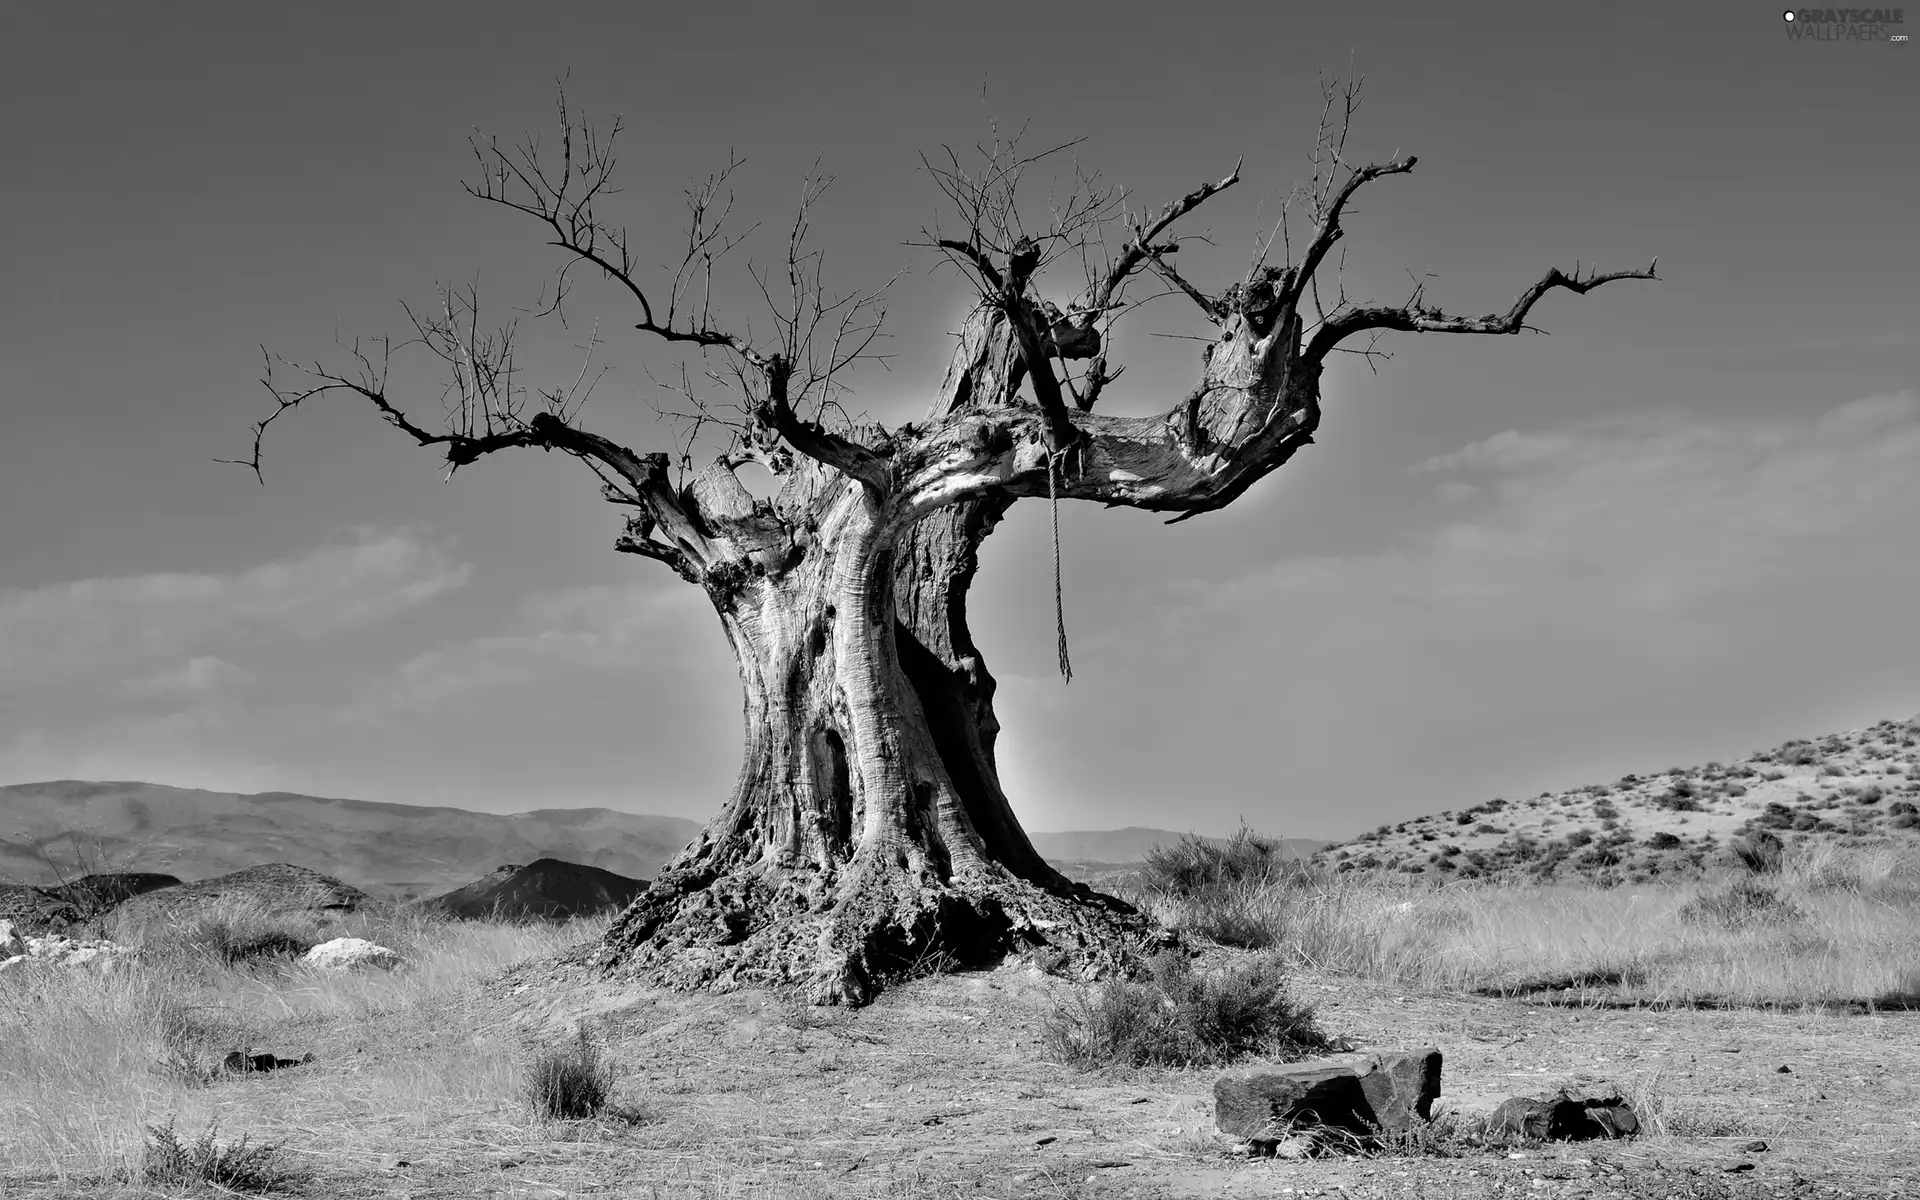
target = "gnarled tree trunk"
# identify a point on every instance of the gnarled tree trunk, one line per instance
(867, 833)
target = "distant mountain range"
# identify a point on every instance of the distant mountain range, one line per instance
(80, 826)
(402, 848)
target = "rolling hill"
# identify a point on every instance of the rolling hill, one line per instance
(400, 848)
(1852, 788)
(397, 848)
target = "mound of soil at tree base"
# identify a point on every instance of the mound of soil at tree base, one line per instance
(102, 890)
(37, 911)
(547, 888)
(279, 887)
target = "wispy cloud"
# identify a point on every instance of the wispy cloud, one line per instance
(201, 674)
(1603, 585)
(120, 625)
(592, 629)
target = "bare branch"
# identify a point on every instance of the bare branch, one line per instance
(1417, 319)
(1327, 228)
(564, 197)
(1209, 305)
(1145, 244)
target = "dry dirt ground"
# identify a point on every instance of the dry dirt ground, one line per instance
(942, 1088)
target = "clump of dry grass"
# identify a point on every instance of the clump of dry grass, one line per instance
(1179, 1017)
(244, 1166)
(1743, 904)
(569, 1082)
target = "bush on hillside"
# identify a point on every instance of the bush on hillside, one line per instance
(1746, 904)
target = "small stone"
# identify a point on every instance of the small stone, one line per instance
(1755, 1147)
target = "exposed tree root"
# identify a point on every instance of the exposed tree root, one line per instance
(842, 941)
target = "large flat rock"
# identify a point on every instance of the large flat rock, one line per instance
(1364, 1093)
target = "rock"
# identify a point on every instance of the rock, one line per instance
(57, 951)
(1365, 1094)
(1566, 1116)
(243, 1062)
(346, 952)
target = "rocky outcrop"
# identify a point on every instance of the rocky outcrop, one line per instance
(55, 950)
(277, 887)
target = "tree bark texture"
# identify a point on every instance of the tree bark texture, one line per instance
(867, 836)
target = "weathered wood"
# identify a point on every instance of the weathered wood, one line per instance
(1364, 1093)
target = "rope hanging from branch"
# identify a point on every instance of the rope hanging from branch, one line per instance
(1059, 604)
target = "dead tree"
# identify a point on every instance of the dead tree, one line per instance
(868, 829)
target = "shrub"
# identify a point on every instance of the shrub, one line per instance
(1176, 1016)
(571, 1082)
(1485, 827)
(1679, 798)
(1760, 852)
(1745, 904)
(1193, 868)
(235, 1166)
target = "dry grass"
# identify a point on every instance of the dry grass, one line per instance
(947, 1083)
(1834, 925)
(114, 1053)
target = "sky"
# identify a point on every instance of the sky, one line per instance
(1680, 526)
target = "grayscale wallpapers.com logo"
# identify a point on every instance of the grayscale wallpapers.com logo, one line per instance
(1846, 24)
